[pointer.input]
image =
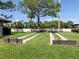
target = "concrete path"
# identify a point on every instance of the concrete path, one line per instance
(24, 41)
(51, 38)
(63, 38)
(25, 36)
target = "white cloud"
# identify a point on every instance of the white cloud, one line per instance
(50, 19)
(75, 20)
(55, 19)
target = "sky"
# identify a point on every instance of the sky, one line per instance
(69, 12)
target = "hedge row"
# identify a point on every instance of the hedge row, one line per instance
(75, 30)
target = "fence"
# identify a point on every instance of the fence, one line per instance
(66, 30)
(21, 30)
(30, 30)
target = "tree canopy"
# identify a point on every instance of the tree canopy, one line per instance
(45, 24)
(6, 5)
(9, 5)
(39, 8)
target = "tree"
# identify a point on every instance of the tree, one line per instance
(7, 6)
(7, 17)
(57, 11)
(70, 23)
(25, 24)
(31, 24)
(38, 8)
(18, 24)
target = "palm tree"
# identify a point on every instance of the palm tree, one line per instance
(59, 18)
(58, 13)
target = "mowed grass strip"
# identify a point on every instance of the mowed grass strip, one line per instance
(38, 48)
(29, 36)
(56, 37)
(70, 35)
(18, 34)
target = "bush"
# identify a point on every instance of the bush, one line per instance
(75, 30)
(34, 30)
(1, 36)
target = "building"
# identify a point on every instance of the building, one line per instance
(4, 30)
(76, 25)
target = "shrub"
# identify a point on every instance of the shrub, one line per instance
(75, 30)
(1, 36)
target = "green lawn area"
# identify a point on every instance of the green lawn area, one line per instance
(1, 36)
(70, 35)
(17, 34)
(38, 48)
(56, 37)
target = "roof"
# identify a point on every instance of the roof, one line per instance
(3, 20)
(76, 24)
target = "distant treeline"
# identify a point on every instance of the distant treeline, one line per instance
(45, 24)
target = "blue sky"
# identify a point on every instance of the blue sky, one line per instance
(69, 11)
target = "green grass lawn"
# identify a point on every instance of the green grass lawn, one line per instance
(1, 36)
(38, 48)
(56, 37)
(70, 35)
(17, 34)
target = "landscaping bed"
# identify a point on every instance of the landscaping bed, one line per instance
(13, 37)
(71, 36)
(18, 40)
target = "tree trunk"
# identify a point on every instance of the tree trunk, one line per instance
(59, 26)
(38, 21)
(58, 23)
(58, 16)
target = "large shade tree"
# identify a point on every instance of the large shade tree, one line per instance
(39, 8)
